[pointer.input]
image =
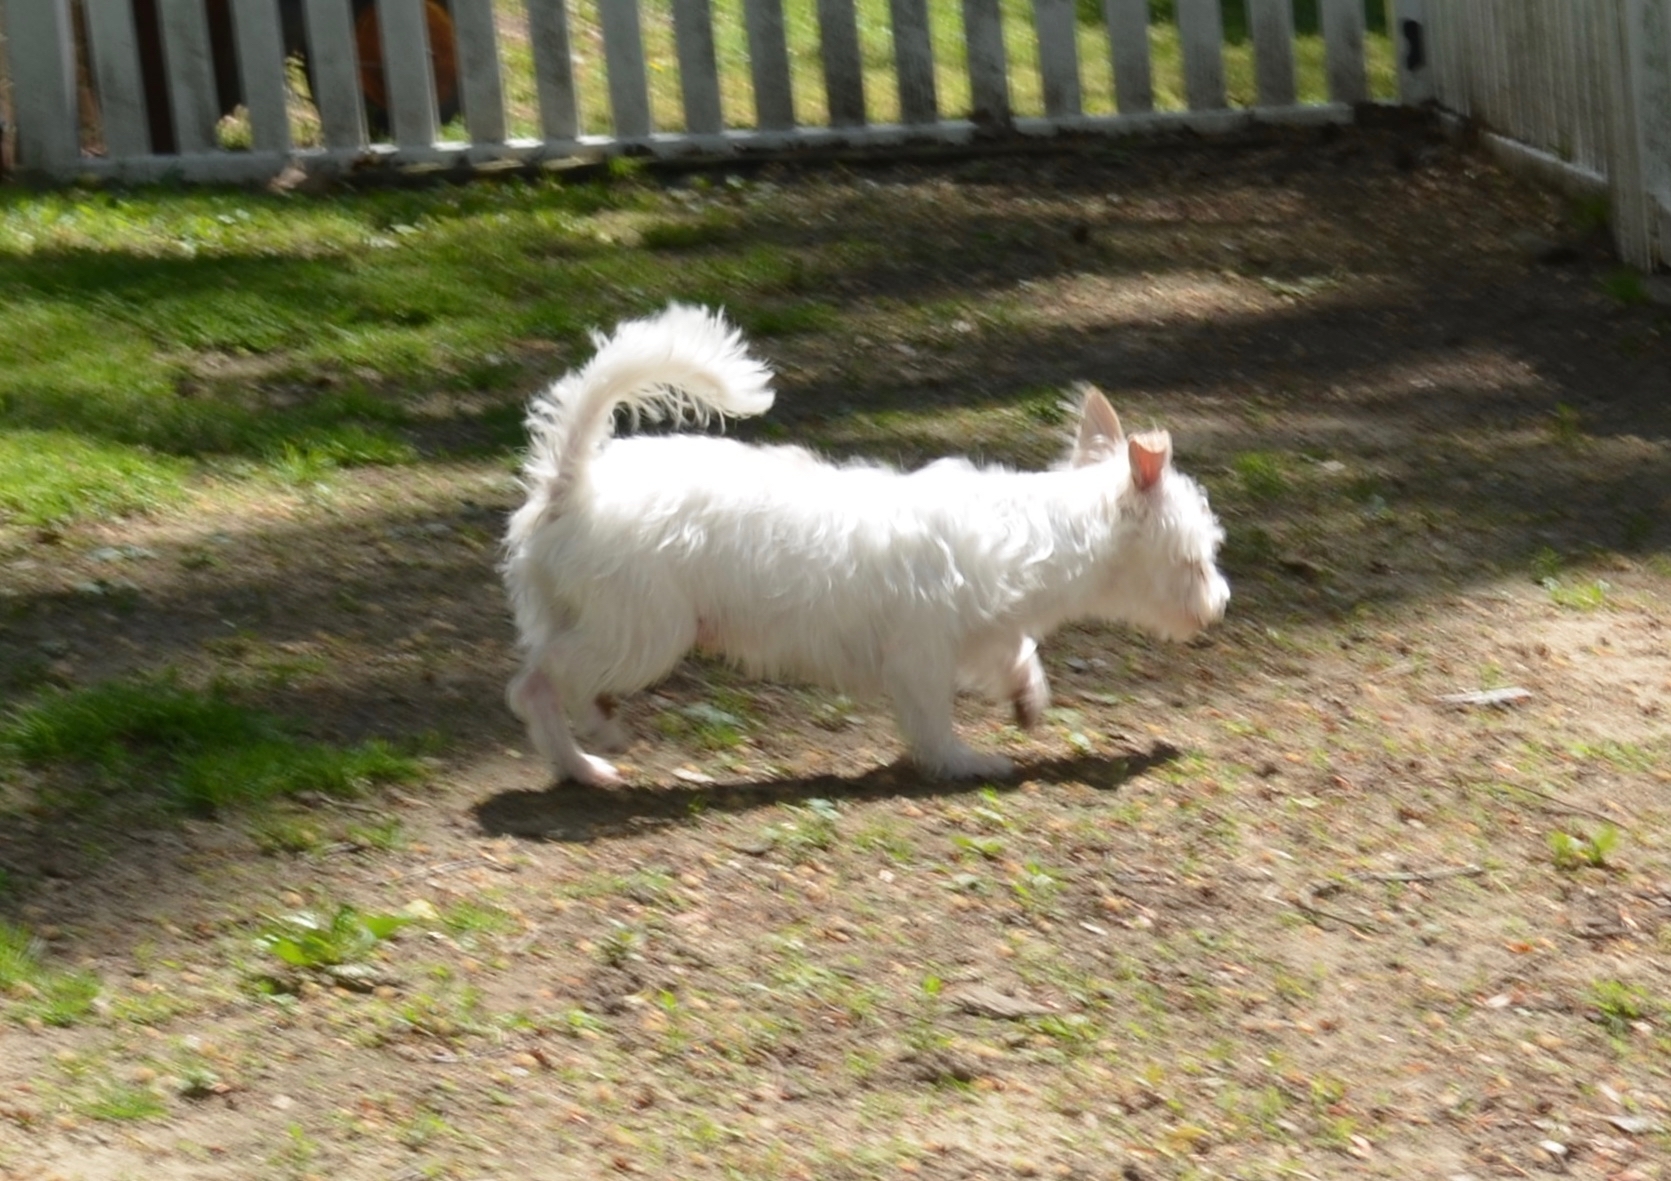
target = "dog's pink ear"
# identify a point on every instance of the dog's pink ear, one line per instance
(1151, 454)
(1099, 428)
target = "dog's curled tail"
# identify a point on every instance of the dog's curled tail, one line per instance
(687, 364)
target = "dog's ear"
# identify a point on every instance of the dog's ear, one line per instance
(1151, 455)
(1099, 427)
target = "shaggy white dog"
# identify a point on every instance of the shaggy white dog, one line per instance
(631, 552)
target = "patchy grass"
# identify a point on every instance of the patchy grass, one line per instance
(32, 990)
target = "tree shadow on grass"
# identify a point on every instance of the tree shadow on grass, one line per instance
(570, 814)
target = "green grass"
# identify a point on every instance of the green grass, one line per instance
(30, 990)
(47, 477)
(206, 750)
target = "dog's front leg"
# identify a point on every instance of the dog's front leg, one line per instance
(533, 697)
(922, 691)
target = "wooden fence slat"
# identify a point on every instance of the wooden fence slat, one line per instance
(1058, 27)
(114, 48)
(914, 61)
(1201, 34)
(1652, 35)
(844, 79)
(255, 24)
(768, 58)
(548, 39)
(481, 83)
(1626, 181)
(191, 73)
(989, 74)
(334, 73)
(408, 77)
(40, 54)
(693, 31)
(1412, 40)
(623, 51)
(1343, 35)
(1271, 22)
(1128, 48)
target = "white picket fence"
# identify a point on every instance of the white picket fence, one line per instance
(50, 112)
(1577, 89)
(1581, 88)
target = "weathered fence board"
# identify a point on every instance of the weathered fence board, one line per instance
(1201, 33)
(1343, 34)
(1128, 39)
(914, 61)
(114, 49)
(1057, 28)
(480, 74)
(693, 31)
(768, 51)
(629, 88)
(333, 73)
(554, 82)
(261, 71)
(844, 78)
(989, 87)
(1271, 23)
(191, 73)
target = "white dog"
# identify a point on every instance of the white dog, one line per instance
(631, 552)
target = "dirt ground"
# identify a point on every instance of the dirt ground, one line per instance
(1258, 906)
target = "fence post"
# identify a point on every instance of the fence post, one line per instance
(1413, 46)
(1652, 37)
(41, 56)
(1626, 182)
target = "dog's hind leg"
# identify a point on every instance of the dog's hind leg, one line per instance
(922, 697)
(533, 697)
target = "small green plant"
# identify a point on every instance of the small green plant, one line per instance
(1546, 565)
(37, 992)
(620, 945)
(1036, 888)
(285, 834)
(810, 830)
(1261, 475)
(991, 848)
(1618, 1005)
(1566, 426)
(1588, 596)
(310, 940)
(1626, 285)
(1572, 852)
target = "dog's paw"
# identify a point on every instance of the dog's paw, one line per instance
(593, 772)
(967, 763)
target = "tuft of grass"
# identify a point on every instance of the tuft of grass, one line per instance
(49, 477)
(36, 991)
(207, 750)
(1572, 851)
(1627, 286)
(1618, 1005)
(119, 1101)
(1261, 475)
(311, 940)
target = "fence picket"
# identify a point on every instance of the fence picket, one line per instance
(38, 50)
(768, 53)
(411, 91)
(191, 73)
(261, 68)
(623, 50)
(1272, 24)
(1058, 57)
(1128, 42)
(914, 60)
(1413, 40)
(844, 79)
(693, 33)
(114, 48)
(1201, 33)
(481, 84)
(548, 40)
(333, 73)
(989, 74)
(1343, 34)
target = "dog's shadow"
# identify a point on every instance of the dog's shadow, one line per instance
(575, 815)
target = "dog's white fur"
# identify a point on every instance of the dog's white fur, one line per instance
(630, 552)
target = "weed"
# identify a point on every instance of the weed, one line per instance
(285, 834)
(386, 836)
(620, 945)
(810, 830)
(1618, 1006)
(1566, 426)
(1036, 888)
(468, 918)
(310, 940)
(1572, 852)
